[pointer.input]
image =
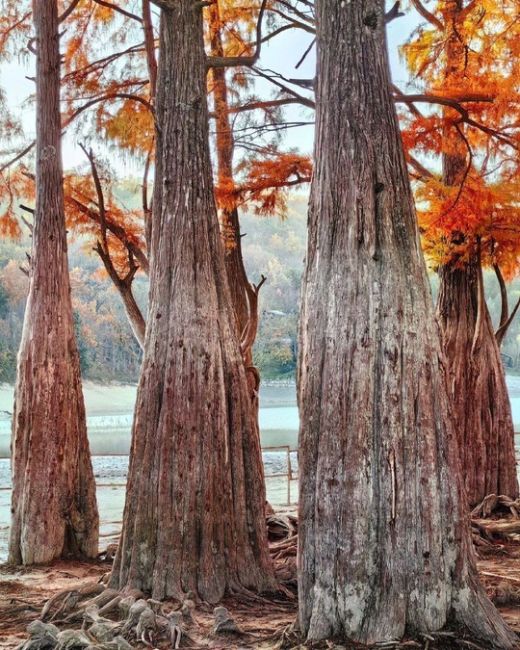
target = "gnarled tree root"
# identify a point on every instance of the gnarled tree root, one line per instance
(109, 620)
(497, 505)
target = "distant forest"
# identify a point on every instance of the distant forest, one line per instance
(273, 247)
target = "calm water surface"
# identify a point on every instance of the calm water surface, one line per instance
(109, 434)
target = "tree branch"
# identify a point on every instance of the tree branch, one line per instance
(68, 10)
(305, 54)
(234, 61)
(305, 101)
(117, 230)
(504, 310)
(100, 196)
(502, 331)
(109, 96)
(505, 318)
(427, 15)
(120, 10)
(149, 40)
(481, 300)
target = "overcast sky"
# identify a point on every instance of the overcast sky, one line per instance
(280, 54)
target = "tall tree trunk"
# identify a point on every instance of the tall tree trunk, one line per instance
(194, 513)
(384, 546)
(476, 380)
(54, 512)
(244, 296)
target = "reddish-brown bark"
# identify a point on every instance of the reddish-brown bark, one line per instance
(384, 545)
(244, 295)
(54, 512)
(476, 381)
(194, 514)
(477, 386)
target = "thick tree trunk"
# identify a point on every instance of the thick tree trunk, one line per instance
(476, 381)
(481, 407)
(194, 513)
(54, 512)
(384, 545)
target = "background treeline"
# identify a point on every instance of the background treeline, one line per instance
(109, 352)
(272, 247)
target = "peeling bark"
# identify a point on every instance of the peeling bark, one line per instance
(54, 512)
(194, 514)
(384, 545)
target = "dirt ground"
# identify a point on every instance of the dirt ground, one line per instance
(264, 623)
(23, 592)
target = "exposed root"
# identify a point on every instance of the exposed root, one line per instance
(497, 505)
(281, 526)
(68, 598)
(495, 520)
(493, 529)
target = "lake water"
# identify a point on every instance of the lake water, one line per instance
(110, 413)
(109, 420)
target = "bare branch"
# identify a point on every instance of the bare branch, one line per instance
(261, 105)
(100, 196)
(502, 331)
(68, 10)
(505, 318)
(274, 78)
(18, 156)
(305, 54)
(120, 10)
(427, 15)
(421, 169)
(107, 97)
(481, 300)
(393, 13)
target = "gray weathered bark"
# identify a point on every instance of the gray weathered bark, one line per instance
(54, 512)
(384, 547)
(194, 514)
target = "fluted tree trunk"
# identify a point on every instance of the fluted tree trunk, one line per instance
(194, 513)
(384, 545)
(476, 379)
(54, 511)
(478, 390)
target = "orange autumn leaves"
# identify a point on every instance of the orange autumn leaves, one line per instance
(470, 51)
(264, 183)
(107, 95)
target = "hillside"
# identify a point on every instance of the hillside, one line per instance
(272, 247)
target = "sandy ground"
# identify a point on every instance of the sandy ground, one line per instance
(120, 398)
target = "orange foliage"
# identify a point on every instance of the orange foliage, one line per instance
(474, 60)
(264, 187)
(106, 91)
